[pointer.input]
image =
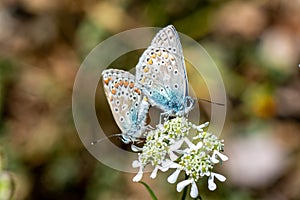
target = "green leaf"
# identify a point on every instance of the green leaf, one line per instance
(149, 190)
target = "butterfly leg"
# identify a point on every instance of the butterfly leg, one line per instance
(149, 127)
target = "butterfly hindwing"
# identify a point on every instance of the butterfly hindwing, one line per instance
(126, 101)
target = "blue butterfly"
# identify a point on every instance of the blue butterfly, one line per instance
(162, 74)
(128, 105)
(160, 80)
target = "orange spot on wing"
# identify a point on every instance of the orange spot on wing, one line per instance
(146, 69)
(116, 85)
(121, 83)
(106, 81)
(153, 56)
(131, 85)
(150, 62)
(143, 80)
(113, 91)
(166, 55)
(137, 90)
(126, 83)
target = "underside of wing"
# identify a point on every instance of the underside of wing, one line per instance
(162, 68)
(125, 100)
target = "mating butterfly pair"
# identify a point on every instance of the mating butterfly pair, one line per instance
(160, 81)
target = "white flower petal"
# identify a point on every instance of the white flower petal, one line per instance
(176, 145)
(164, 169)
(194, 190)
(173, 177)
(154, 173)
(183, 184)
(172, 155)
(138, 176)
(200, 127)
(160, 127)
(211, 185)
(214, 159)
(170, 164)
(136, 164)
(189, 143)
(199, 145)
(219, 177)
(221, 156)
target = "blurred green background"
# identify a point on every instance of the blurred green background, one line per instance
(256, 45)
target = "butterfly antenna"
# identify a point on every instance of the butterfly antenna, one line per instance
(219, 104)
(100, 140)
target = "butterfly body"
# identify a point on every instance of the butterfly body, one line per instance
(128, 105)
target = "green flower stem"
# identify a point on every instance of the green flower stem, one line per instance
(149, 190)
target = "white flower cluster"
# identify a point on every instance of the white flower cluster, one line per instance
(168, 147)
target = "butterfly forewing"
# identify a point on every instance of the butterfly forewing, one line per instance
(124, 98)
(161, 70)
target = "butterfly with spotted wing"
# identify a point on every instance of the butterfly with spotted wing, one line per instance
(128, 105)
(161, 72)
